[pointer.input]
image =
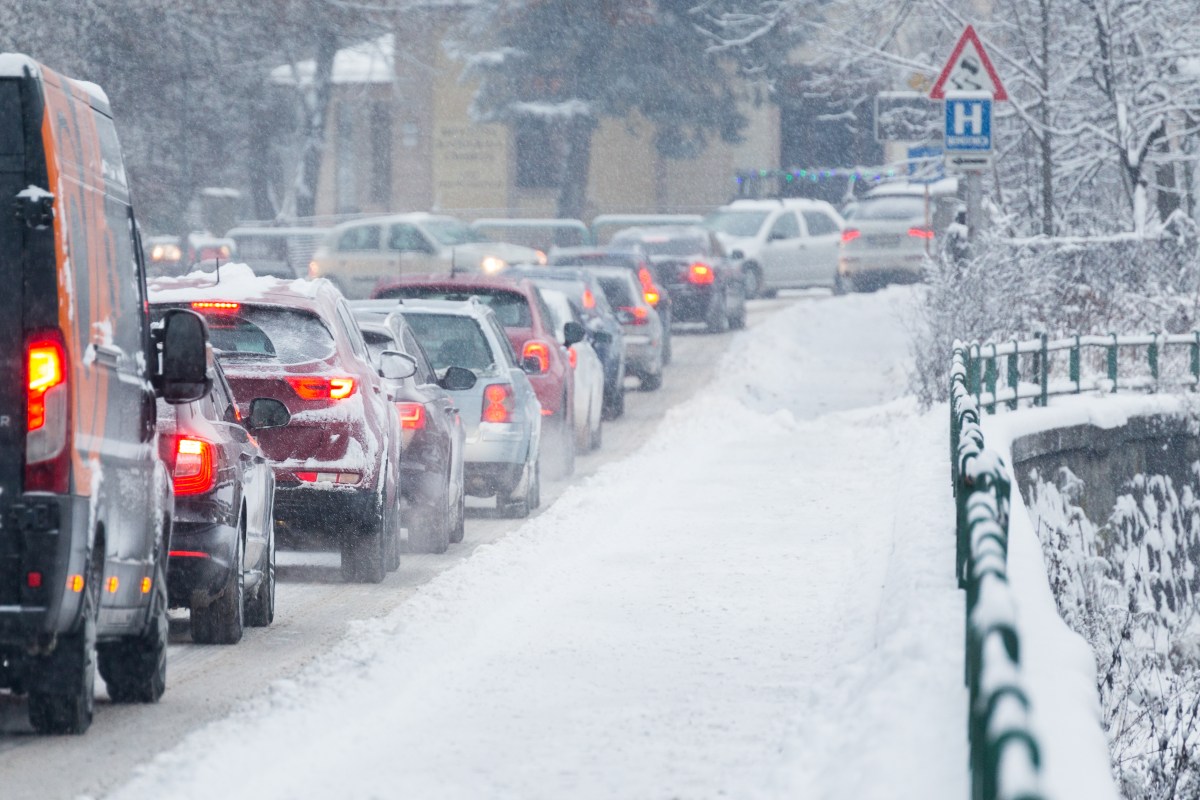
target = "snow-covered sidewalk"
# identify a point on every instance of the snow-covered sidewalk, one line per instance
(759, 603)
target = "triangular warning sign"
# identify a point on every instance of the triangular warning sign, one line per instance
(968, 70)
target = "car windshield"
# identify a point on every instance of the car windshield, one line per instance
(657, 245)
(736, 223)
(512, 308)
(287, 335)
(452, 341)
(890, 208)
(449, 232)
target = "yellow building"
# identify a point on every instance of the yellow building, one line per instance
(400, 138)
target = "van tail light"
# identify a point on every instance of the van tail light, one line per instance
(920, 233)
(700, 274)
(412, 416)
(316, 387)
(195, 466)
(540, 351)
(850, 234)
(47, 414)
(639, 315)
(497, 403)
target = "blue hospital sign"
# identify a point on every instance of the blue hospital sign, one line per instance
(968, 124)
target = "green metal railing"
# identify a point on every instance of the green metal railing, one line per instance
(1004, 754)
(1028, 366)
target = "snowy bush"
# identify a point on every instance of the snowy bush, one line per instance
(1020, 288)
(1130, 588)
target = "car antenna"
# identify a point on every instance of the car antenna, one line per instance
(217, 261)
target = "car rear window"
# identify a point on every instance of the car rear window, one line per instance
(668, 245)
(512, 308)
(617, 291)
(594, 260)
(288, 335)
(451, 341)
(899, 208)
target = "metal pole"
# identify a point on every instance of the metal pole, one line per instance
(974, 204)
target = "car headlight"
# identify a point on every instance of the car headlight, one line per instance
(490, 265)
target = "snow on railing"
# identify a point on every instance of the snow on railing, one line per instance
(1028, 366)
(1004, 753)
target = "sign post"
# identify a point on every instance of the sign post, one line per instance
(969, 86)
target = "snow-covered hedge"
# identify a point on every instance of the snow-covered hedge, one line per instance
(1018, 288)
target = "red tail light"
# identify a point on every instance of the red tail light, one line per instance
(920, 233)
(639, 314)
(538, 350)
(412, 416)
(217, 306)
(195, 466)
(589, 299)
(497, 403)
(850, 234)
(700, 274)
(652, 296)
(47, 414)
(573, 356)
(649, 290)
(315, 387)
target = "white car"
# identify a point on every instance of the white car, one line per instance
(362, 255)
(589, 371)
(782, 244)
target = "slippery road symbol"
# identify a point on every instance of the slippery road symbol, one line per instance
(967, 77)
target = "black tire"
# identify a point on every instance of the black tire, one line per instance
(364, 555)
(666, 346)
(597, 435)
(260, 609)
(718, 318)
(839, 284)
(459, 528)
(753, 280)
(392, 544)
(652, 382)
(519, 506)
(63, 701)
(135, 669)
(223, 620)
(614, 403)
(436, 525)
(562, 443)
(769, 294)
(535, 490)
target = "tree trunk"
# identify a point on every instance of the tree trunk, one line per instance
(572, 193)
(1045, 138)
(316, 107)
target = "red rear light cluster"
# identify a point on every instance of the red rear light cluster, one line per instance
(497, 403)
(701, 274)
(589, 299)
(573, 356)
(412, 416)
(920, 233)
(649, 290)
(639, 313)
(345, 478)
(538, 350)
(316, 387)
(47, 414)
(195, 466)
(850, 234)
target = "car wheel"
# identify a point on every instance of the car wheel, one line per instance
(769, 294)
(840, 284)
(222, 620)
(718, 317)
(364, 554)
(392, 545)
(597, 434)
(562, 443)
(753, 280)
(260, 609)
(515, 507)
(437, 521)
(614, 403)
(652, 382)
(460, 518)
(67, 705)
(135, 668)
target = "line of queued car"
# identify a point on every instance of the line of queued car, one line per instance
(362, 425)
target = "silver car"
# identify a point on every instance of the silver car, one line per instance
(889, 234)
(501, 413)
(640, 323)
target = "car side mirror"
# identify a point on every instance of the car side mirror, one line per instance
(531, 365)
(396, 366)
(266, 412)
(183, 377)
(457, 379)
(573, 333)
(602, 337)
(737, 255)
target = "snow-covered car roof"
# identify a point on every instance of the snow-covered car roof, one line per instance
(237, 283)
(800, 203)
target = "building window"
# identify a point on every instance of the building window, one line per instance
(381, 154)
(538, 154)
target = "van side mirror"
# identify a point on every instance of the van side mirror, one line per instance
(573, 333)
(266, 412)
(457, 379)
(396, 366)
(182, 342)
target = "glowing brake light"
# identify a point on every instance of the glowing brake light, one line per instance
(46, 362)
(218, 306)
(639, 313)
(540, 351)
(649, 290)
(47, 414)
(920, 233)
(589, 299)
(195, 468)
(850, 234)
(573, 356)
(315, 387)
(412, 416)
(700, 274)
(497, 403)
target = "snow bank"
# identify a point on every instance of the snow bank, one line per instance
(758, 603)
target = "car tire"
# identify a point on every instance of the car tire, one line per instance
(562, 443)
(667, 349)
(614, 402)
(769, 294)
(840, 284)
(753, 280)
(223, 620)
(718, 316)
(597, 435)
(459, 528)
(67, 706)
(364, 553)
(652, 382)
(437, 522)
(519, 507)
(260, 609)
(135, 668)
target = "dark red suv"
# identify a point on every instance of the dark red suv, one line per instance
(520, 309)
(337, 460)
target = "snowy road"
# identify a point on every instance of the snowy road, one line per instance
(749, 597)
